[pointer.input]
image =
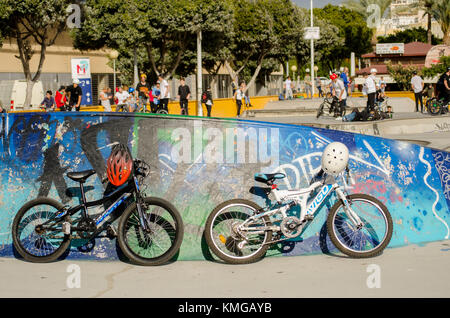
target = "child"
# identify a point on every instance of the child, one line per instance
(49, 102)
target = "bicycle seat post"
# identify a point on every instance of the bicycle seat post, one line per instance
(83, 198)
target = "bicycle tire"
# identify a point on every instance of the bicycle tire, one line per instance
(125, 241)
(434, 107)
(346, 249)
(320, 110)
(230, 242)
(40, 241)
(162, 112)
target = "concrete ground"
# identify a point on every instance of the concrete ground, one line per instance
(411, 271)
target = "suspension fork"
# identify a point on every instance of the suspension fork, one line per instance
(354, 218)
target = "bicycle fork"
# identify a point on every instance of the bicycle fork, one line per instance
(354, 218)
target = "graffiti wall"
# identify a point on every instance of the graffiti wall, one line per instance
(198, 163)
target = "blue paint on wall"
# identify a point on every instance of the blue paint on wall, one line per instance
(412, 181)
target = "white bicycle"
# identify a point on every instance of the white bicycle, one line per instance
(239, 231)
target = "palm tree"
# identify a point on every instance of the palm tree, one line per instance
(441, 13)
(426, 6)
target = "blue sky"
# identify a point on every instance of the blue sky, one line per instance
(317, 3)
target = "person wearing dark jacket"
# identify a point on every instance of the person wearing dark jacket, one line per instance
(184, 93)
(207, 100)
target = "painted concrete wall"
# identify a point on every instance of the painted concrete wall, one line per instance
(198, 163)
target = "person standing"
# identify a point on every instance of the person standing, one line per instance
(238, 96)
(339, 92)
(105, 100)
(288, 88)
(60, 98)
(208, 100)
(184, 93)
(443, 87)
(344, 77)
(142, 89)
(165, 93)
(371, 88)
(308, 86)
(319, 86)
(74, 94)
(122, 96)
(417, 86)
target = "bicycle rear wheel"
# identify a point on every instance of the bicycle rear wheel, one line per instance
(434, 107)
(367, 240)
(37, 234)
(163, 239)
(224, 238)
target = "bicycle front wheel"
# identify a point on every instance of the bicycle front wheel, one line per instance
(231, 244)
(37, 233)
(360, 241)
(320, 110)
(160, 242)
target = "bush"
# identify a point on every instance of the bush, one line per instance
(402, 75)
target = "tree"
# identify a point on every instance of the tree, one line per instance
(401, 74)
(441, 12)
(409, 35)
(352, 27)
(263, 29)
(32, 22)
(165, 29)
(438, 69)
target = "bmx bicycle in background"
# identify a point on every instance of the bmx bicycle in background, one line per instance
(330, 105)
(150, 229)
(436, 106)
(239, 231)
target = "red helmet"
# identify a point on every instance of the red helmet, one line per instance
(119, 165)
(333, 76)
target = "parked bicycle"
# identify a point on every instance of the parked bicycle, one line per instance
(436, 106)
(150, 230)
(239, 231)
(330, 105)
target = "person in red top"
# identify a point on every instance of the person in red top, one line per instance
(61, 99)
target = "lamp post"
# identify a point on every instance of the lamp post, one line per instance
(113, 55)
(294, 69)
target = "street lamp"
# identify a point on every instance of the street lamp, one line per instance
(294, 69)
(113, 55)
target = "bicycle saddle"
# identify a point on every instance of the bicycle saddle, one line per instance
(80, 176)
(268, 178)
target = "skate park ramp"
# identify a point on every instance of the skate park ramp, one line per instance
(198, 163)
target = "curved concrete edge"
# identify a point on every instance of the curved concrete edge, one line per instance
(199, 163)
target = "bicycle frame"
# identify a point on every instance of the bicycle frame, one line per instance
(121, 194)
(307, 210)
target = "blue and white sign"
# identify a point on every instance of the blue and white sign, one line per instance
(86, 87)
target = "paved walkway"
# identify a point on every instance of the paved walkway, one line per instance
(411, 271)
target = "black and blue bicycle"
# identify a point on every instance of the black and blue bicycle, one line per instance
(149, 232)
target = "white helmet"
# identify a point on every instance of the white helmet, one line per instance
(76, 81)
(374, 70)
(335, 158)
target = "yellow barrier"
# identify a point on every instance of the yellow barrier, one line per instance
(225, 107)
